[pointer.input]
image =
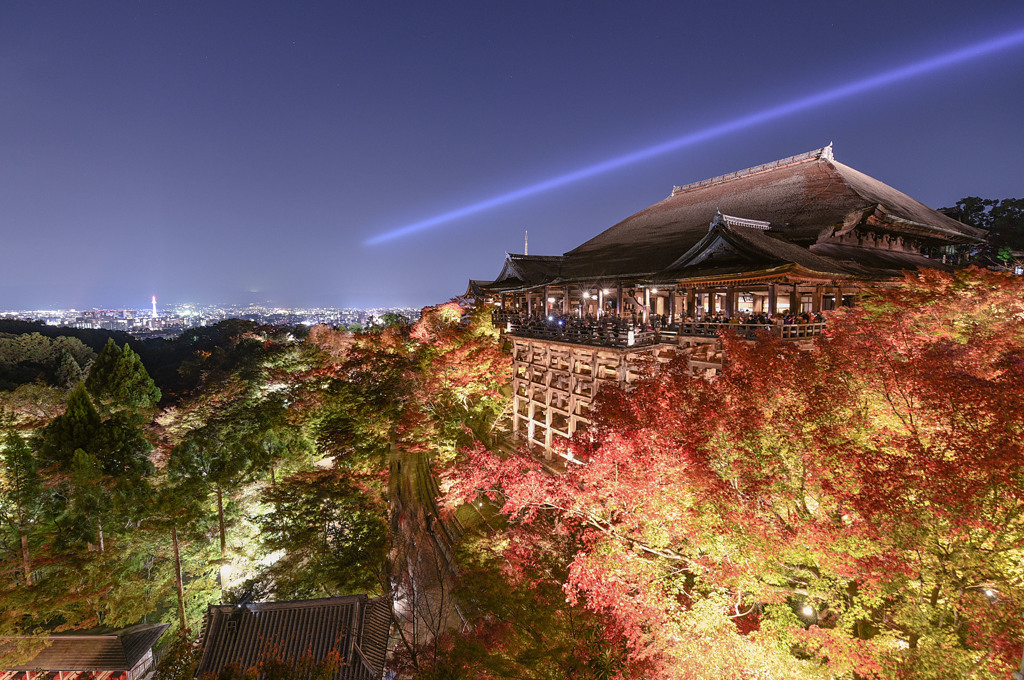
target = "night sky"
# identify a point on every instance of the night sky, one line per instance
(235, 152)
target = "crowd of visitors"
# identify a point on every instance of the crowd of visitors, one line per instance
(632, 329)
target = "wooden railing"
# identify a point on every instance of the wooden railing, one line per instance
(623, 334)
(608, 334)
(789, 331)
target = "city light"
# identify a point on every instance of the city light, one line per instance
(918, 68)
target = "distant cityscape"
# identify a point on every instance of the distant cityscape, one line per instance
(170, 321)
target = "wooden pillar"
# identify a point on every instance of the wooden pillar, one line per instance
(816, 300)
(565, 302)
(672, 307)
(691, 306)
(618, 299)
(794, 300)
(529, 303)
(730, 301)
(600, 302)
(772, 299)
(515, 402)
(547, 303)
(647, 305)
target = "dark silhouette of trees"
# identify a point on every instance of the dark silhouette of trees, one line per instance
(1003, 219)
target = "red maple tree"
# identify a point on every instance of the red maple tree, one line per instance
(850, 510)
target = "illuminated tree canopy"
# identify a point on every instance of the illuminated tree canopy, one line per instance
(853, 509)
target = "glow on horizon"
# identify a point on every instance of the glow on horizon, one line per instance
(917, 68)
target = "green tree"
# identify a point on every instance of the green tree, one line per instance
(20, 494)
(1003, 219)
(330, 533)
(119, 381)
(69, 373)
(206, 461)
(77, 428)
(242, 443)
(87, 501)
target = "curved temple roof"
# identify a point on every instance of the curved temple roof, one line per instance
(804, 199)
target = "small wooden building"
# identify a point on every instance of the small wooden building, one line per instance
(356, 628)
(765, 249)
(101, 654)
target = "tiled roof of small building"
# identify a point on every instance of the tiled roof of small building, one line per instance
(92, 650)
(356, 627)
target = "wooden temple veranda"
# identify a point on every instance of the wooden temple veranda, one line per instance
(772, 249)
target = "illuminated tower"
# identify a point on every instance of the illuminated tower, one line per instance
(154, 306)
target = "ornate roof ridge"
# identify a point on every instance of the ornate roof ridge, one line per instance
(824, 152)
(733, 221)
(521, 256)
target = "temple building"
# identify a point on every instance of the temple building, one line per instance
(353, 629)
(96, 654)
(766, 249)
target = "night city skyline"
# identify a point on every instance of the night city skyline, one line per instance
(208, 154)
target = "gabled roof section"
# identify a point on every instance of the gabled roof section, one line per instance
(356, 627)
(522, 271)
(802, 197)
(730, 249)
(478, 288)
(93, 650)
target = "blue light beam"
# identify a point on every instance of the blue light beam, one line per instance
(987, 47)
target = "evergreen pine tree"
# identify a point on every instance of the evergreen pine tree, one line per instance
(69, 373)
(21, 493)
(78, 427)
(119, 381)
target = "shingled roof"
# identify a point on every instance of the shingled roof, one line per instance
(802, 198)
(92, 650)
(356, 627)
(731, 249)
(527, 270)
